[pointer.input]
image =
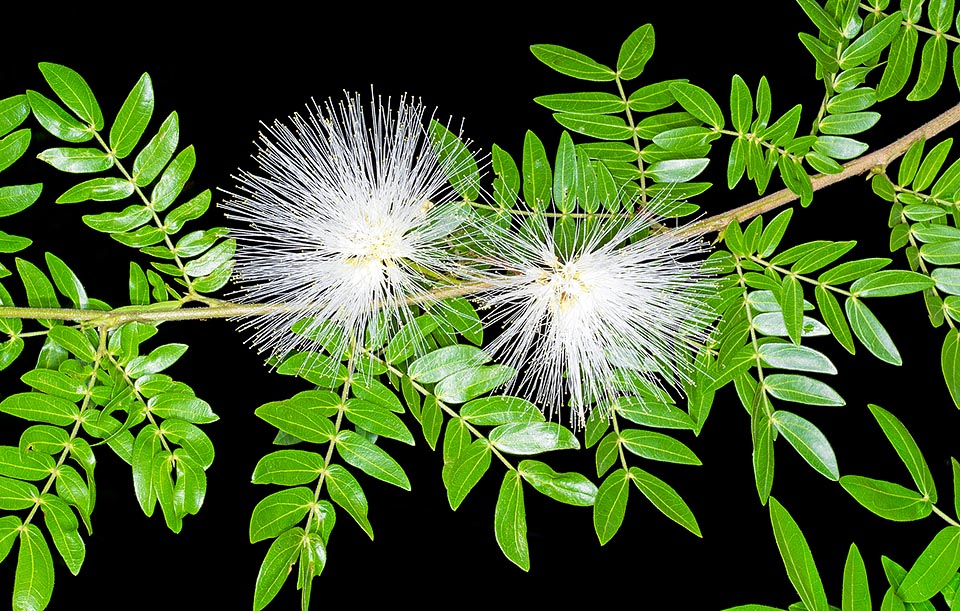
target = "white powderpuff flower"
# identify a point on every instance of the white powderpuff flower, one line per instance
(572, 313)
(348, 216)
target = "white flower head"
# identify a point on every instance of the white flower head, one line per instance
(573, 313)
(349, 216)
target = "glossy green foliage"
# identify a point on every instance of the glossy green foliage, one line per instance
(199, 261)
(101, 380)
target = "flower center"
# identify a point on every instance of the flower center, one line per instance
(375, 242)
(566, 287)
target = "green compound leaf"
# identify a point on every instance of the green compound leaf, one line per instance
(570, 488)
(611, 505)
(472, 382)
(357, 451)
(801, 568)
(870, 332)
(571, 63)
(856, 588)
(887, 499)
(532, 438)
(907, 449)
(635, 52)
(665, 499)
(466, 470)
(346, 492)
(277, 565)
(934, 569)
(74, 91)
(808, 441)
(133, 118)
(698, 103)
(278, 512)
(801, 389)
(33, 581)
(510, 521)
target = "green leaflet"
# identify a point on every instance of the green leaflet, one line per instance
(280, 558)
(636, 50)
(346, 491)
(611, 505)
(133, 118)
(500, 409)
(510, 521)
(571, 63)
(886, 499)
(870, 332)
(288, 468)
(571, 488)
(33, 580)
(278, 512)
(665, 499)
(950, 364)
(357, 451)
(935, 567)
(472, 382)
(907, 450)
(801, 568)
(856, 588)
(801, 389)
(466, 470)
(808, 441)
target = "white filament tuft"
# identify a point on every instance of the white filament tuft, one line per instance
(572, 313)
(349, 215)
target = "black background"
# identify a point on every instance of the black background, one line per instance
(227, 72)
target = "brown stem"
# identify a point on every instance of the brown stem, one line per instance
(878, 158)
